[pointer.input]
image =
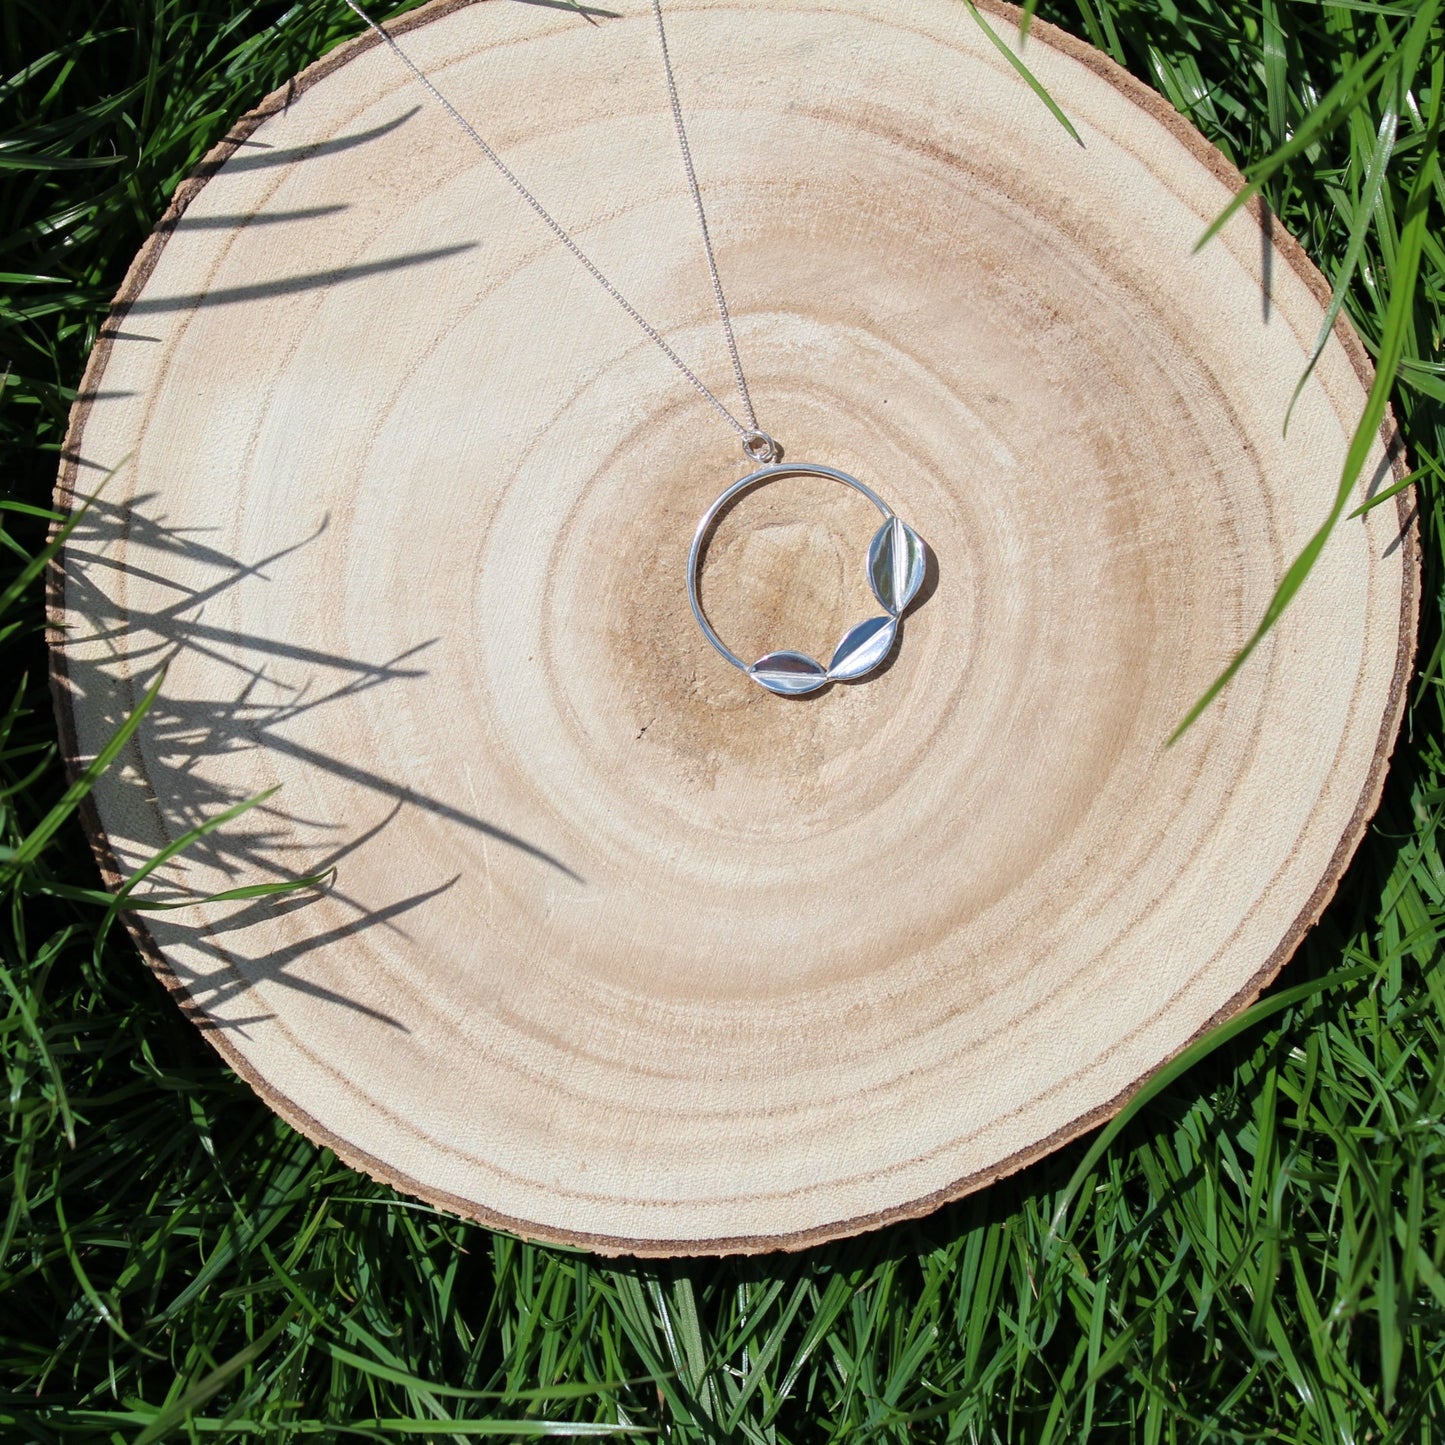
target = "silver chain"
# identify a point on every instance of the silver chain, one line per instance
(717, 289)
(756, 443)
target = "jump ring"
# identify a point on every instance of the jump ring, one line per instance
(760, 447)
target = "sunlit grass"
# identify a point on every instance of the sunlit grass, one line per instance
(1256, 1253)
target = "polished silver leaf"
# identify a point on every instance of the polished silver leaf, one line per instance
(789, 673)
(863, 647)
(896, 559)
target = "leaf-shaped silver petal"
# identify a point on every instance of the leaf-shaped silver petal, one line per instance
(896, 559)
(863, 647)
(789, 673)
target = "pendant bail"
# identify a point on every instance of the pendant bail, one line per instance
(758, 446)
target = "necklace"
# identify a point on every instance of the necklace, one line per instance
(896, 557)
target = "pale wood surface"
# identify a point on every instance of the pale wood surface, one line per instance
(622, 949)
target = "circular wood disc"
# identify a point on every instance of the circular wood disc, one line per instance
(622, 949)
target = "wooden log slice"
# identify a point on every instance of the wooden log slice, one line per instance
(622, 949)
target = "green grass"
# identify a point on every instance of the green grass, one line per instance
(1257, 1253)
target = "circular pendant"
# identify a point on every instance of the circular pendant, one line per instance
(896, 561)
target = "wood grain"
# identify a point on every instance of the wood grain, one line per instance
(624, 951)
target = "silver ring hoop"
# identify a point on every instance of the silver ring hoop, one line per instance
(896, 562)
